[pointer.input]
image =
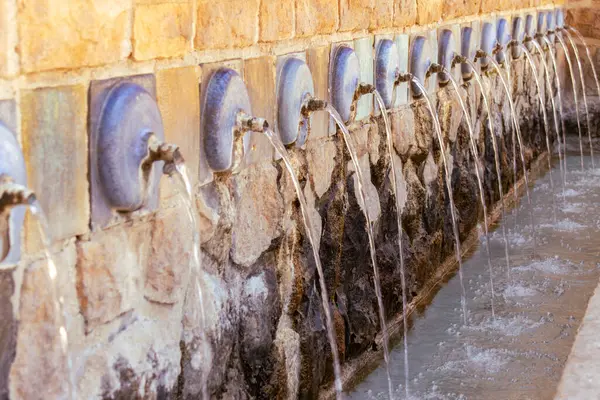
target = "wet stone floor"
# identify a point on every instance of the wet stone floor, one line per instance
(521, 353)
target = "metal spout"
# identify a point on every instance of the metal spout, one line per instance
(12, 194)
(434, 68)
(311, 105)
(162, 151)
(403, 77)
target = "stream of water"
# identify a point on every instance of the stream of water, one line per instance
(521, 353)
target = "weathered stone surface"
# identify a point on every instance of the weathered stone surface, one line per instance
(317, 59)
(39, 330)
(355, 14)
(9, 62)
(161, 30)
(258, 212)
(8, 330)
(449, 113)
(65, 34)
(276, 20)
(459, 8)
(382, 15)
(226, 24)
(320, 157)
(316, 17)
(110, 272)
(405, 13)
(179, 101)
(429, 11)
(55, 146)
(403, 124)
(171, 257)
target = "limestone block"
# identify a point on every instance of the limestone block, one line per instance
(403, 130)
(429, 11)
(226, 24)
(8, 330)
(320, 157)
(66, 33)
(258, 212)
(405, 13)
(178, 96)
(161, 30)
(355, 14)
(55, 145)
(382, 15)
(317, 59)
(110, 270)
(171, 256)
(9, 61)
(459, 8)
(316, 17)
(276, 20)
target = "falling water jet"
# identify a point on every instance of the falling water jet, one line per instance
(555, 116)
(475, 153)
(585, 103)
(575, 96)
(388, 79)
(516, 128)
(560, 105)
(545, 118)
(11, 195)
(448, 181)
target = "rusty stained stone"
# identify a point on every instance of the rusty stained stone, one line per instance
(110, 270)
(226, 24)
(276, 20)
(161, 30)
(72, 33)
(55, 146)
(316, 17)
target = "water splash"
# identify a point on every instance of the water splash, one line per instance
(448, 180)
(481, 192)
(585, 102)
(310, 233)
(195, 267)
(545, 118)
(575, 97)
(390, 146)
(58, 301)
(360, 179)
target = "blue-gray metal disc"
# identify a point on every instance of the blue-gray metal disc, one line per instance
(551, 25)
(419, 63)
(13, 165)
(488, 40)
(226, 96)
(502, 37)
(129, 116)
(541, 22)
(387, 70)
(345, 77)
(518, 33)
(294, 85)
(466, 50)
(446, 52)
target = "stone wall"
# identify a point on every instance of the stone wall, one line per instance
(134, 326)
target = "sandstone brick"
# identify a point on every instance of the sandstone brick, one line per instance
(226, 24)
(55, 146)
(161, 30)
(171, 257)
(429, 11)
(259, 74)
(72, 33)
(276, 20)
(459, 8)
(382, 15)
(405, 13)
(110, 268)
(316, 17)
(9, 62)
(355, 14)
(8, 329)
(317, 59)
(178, 96)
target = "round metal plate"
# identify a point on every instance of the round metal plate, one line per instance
(226, 96)
(541, 22)
(517, 33)
(129, 115)
(13, 165)
(345, 77)
(502, 37)
(295, 84)
(551, 24)
(446, 52)
(419, 63)
(466, 50)
(386, 70)
(488, 39)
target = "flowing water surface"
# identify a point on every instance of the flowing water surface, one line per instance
(521, 353)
